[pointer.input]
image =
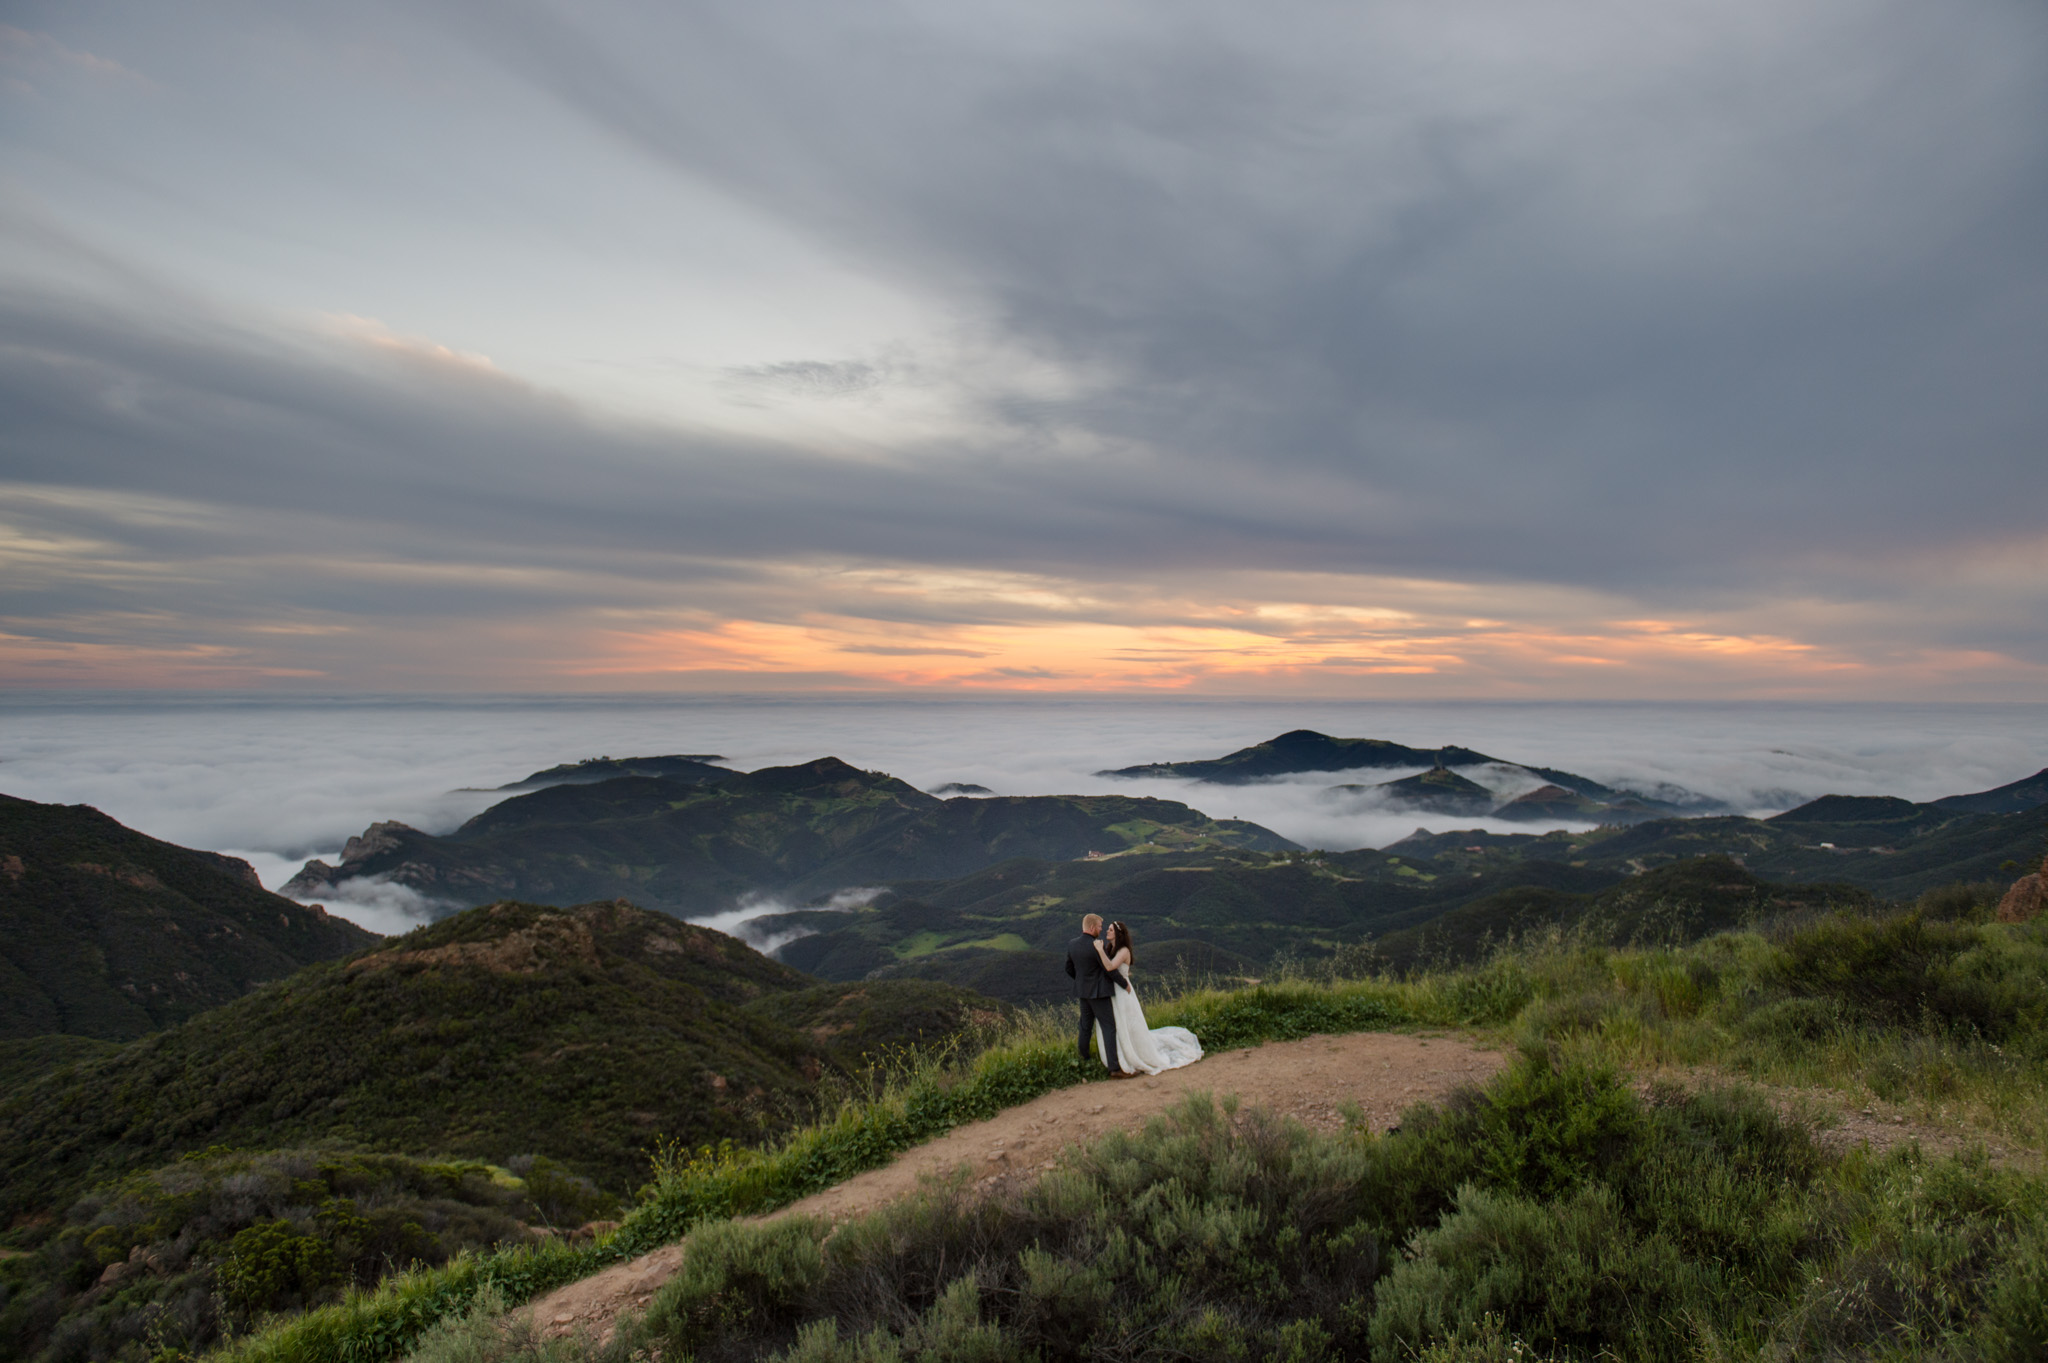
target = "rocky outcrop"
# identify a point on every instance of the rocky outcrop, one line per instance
(2027, 897)
(317, 877)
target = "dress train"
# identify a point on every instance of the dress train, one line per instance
(1145, 1049)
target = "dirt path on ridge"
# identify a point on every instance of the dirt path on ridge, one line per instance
(1308, 1080)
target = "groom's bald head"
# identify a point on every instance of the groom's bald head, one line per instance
(1091, 923)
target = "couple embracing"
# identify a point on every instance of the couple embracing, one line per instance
(1100, 964)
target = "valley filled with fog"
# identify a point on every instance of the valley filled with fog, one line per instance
(278, 781)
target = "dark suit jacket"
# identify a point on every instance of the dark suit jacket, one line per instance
(1091, 981)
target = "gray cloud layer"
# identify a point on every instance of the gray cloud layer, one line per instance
(1709, 305)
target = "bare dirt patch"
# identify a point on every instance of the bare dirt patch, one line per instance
(1311, 1080)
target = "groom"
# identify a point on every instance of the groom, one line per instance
(1093, 987)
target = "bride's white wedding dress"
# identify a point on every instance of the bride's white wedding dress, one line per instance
(1146, 1049)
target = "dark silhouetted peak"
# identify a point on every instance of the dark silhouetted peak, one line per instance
(690, 768)
(826, 775)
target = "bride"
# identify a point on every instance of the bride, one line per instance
(1138, 1046)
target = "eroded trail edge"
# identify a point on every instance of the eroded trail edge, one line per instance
(1310, 1080)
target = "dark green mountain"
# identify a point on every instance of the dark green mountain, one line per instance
(799, 831)
(689, 768)
(1436, 791)
(1857, 809)
(1896, 859)
(1555, 803)
(2020, 795)
(515, 1029)
(1305, 750)
(110, 934)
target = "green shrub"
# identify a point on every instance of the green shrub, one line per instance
(1575, 1274)
(1208, 1235)
(270, 1267)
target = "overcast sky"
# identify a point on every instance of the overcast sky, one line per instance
(1580, 349)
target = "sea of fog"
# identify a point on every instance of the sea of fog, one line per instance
(280, 780)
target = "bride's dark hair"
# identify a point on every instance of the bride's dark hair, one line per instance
(1121, 940)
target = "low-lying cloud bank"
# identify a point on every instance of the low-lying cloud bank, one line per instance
(741, 920)
(281, 782)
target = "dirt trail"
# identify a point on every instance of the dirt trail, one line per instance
(1309, 1080)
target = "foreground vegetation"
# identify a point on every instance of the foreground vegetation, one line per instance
(1555, 1211)
(223, 1239)
(1933, 1007)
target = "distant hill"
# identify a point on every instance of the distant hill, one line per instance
(1856, 809)
(1679, 902)
(1436, 791)
(799, 831)
(515, 1029)
(2028, 793)
(1305, 751)
(689, 768)
(108, 933)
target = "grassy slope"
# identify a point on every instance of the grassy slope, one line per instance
(516, 1029)
(107, 933)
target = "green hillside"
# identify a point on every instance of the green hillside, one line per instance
(1001, 930)
(578, 1034)
(1429, 897)
(1676, 903)
(798, 831)
(1892, 853)
(109, 934)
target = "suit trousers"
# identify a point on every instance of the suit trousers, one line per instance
(1101, 1011)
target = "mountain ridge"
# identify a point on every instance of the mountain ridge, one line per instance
(106, 932)
(805, 830)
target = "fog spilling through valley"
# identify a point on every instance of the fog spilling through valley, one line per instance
(279, 781)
